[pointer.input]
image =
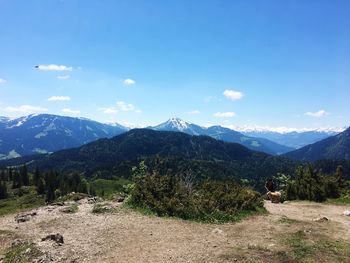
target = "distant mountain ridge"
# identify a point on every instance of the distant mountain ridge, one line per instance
(294, 139)
(224, 134)
(335, 148)
(45, 133)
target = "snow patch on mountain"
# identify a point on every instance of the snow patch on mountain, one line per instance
(283, 130)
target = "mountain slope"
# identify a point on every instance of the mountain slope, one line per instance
(48, 133)
(225, 134)
(293, 139)
(336, 147)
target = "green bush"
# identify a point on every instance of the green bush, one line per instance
(210, 201)
(311, 184)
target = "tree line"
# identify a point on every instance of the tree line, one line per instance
(52, 184)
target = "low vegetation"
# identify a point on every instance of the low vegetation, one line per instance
(20, 199)
(101, 208)
(71, 209)
(24, 252)
(209, 201)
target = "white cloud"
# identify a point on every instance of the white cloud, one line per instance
(129, 82)
(232, 94)
(67, 110)
(63, 77)
(194, 112)
(110, 110)
(2, 81)
(123, 106)
(26, 109)
(59, 98)
(211, 98)
(229, 114)
(120, 106)
(317, 114)
(53, 67)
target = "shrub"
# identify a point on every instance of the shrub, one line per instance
(211, 201)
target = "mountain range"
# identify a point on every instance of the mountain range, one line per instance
(292, 139)
(45, 133)
(224, 134)
(334, 148)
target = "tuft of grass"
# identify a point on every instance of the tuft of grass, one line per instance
(73, 208)
(287, 220)
(102, 208)
(22, 253)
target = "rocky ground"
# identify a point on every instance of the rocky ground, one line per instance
(290, 232)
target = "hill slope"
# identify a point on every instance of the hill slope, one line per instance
(169, 152)
(336, 147)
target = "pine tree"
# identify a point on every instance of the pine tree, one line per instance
(24, 175)
(10, 175)
(3, 176)
(36, 177)
(51, 185)
(41, 187)
(16, 180)
(3, 190)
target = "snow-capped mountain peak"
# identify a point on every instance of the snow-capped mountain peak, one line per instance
(178, 123)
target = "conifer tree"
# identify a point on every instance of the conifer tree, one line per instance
(3, 190)
(41, 187)
(24, 175)
(16, 180)
(3, 176)
(36, 177)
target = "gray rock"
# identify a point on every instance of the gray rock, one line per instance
(21, 218)
(58, 238)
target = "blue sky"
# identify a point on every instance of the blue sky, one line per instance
(234, 63)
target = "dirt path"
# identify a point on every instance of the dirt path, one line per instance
(127, 236)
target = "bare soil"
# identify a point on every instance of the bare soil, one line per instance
(128, 236)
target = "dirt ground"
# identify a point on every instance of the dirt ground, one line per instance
(127, 236)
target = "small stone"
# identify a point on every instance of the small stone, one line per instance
(346, 213)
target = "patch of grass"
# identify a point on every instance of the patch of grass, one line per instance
(73, 208)
(312, 248)
(287, 220)
(15, 204)
(102, 208)
(107, 188)
(344, 200)
(299, 248)
(72, 197)
(22, 254)
(258, 254)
